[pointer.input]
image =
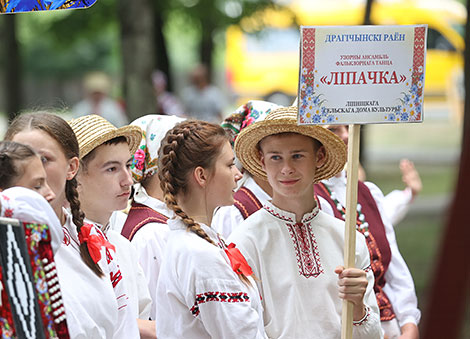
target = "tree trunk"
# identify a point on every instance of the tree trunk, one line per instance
(138, 53)
(12, 67)
(162, 60)
(451, 284)
(207, 47)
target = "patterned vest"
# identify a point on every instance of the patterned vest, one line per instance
(246, 202)
(377, 243)
(140, 215)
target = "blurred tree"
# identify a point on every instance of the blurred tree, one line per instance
(138, 55)
(212, 16)
(10, 58)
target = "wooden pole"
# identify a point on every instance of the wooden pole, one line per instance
(350, 229)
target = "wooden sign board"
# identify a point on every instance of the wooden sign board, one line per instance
(361, 74)
(18, 6)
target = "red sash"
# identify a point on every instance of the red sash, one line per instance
(377, 243)
(140, 215)
(246, 202)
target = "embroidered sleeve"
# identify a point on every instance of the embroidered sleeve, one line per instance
(224, 307)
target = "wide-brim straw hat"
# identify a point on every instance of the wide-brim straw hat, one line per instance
(93, 130)
(284, 120)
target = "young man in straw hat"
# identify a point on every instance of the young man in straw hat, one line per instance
(104, 186)
(296, 250)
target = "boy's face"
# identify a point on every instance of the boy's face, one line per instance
(105, 184)
(290, 162)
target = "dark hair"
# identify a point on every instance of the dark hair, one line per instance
(189, 144)
(90, 156)
(11, 156)
(58, 129)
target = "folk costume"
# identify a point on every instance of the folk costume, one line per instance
(200, 295)
(146, 224)
(394, 287)
(295, 262)
(101, 307)
(93, 131)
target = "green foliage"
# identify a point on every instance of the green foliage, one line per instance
(70, 42)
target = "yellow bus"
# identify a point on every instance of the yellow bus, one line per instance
(262, 54)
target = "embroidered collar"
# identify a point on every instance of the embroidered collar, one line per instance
(289, 216)
(141, 196)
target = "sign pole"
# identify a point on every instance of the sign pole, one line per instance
(350, 228)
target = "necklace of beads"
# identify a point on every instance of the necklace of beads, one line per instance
(361, 224)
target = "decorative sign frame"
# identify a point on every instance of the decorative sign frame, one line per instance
(18, 6)
(361, 74)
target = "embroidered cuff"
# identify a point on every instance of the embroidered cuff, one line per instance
(364, 319)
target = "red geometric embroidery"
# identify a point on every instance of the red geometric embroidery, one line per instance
(277, 215)
(224, 297)
(308, 48)
(306, 249)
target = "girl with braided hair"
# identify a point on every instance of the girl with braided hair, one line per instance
(90, 298)
(204, 289)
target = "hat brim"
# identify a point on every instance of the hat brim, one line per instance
(133, 135)
(247, 151)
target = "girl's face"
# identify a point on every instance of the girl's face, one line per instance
(223, 181)
(58, 168)
(34, 177)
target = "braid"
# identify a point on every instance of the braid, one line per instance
(71, 194)
(189, 144)
(166, 172)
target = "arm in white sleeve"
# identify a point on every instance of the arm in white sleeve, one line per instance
(399, 285)
(396, 205)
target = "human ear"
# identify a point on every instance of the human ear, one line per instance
(321, 157)
(200, 176)
(261, 160)
(72, 169)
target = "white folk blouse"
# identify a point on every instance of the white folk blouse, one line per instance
(198, 293)
(295, 264)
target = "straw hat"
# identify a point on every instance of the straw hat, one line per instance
(284, 120)
(93, 130)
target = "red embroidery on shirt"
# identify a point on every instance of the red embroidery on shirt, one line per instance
(306, 249)
(277, 215)
(202, 298)
(115, 277)
(5, 197)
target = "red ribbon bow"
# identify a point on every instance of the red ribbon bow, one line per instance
(94, 242)
(238, 261)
